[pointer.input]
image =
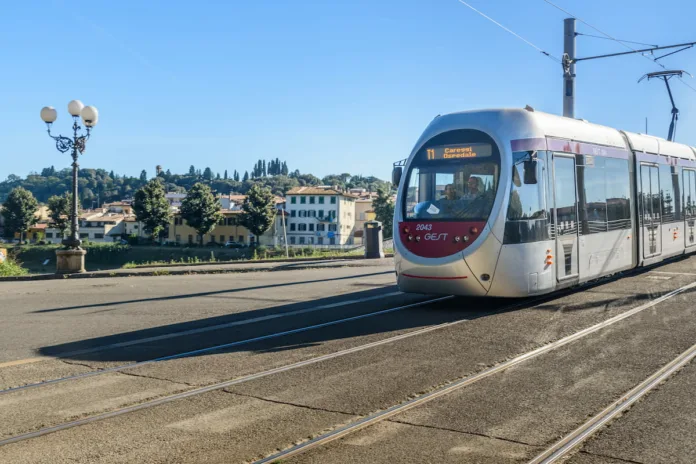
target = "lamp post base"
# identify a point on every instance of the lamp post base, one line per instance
(70, 261)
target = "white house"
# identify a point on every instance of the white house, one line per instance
(320, 216)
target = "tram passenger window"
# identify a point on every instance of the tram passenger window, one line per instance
(689, 193)
(669, 195)
(618, 194)
(527, 218)
(593, 207)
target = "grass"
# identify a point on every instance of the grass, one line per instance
(10, 268)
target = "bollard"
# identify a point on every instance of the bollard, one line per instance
(373, 240)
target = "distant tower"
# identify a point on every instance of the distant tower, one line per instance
(158, 168)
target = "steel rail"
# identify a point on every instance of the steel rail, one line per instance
(217, 347)
(248, 378)
(564, 446)
(457, 385)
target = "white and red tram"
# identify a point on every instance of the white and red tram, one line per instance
(515, 202)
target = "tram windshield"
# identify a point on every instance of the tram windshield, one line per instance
(452, 189)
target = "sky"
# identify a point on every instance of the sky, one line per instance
(328, 86)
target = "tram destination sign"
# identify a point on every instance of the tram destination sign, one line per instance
(469, 150)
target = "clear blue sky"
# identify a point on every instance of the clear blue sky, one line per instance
(328, 86)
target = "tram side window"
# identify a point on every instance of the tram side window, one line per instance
(618, 193)
(593, 212)
(689, 193)
(527, 218)
(669, 194)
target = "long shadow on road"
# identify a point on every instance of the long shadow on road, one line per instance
(202, 294)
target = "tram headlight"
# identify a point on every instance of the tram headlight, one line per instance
(474, 230)
(456, 239)
(417, 238)
(410, 237)
(465, 238)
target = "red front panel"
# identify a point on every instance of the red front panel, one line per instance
(437, 239)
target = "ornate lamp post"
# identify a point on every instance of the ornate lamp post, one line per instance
(72, 258)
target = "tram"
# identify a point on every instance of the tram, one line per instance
(517, 202)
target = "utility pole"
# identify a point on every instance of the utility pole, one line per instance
(570, 59)
(569, 37)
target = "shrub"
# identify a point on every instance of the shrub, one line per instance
(10, 268)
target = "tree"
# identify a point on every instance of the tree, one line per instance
(225, 174)
(384, 210)
(236, 176)
(143, 175)
(192, 171)
(263, 168)
(258, 210)
(152, 208)
(246, 176)
(201, 210)
(18, 211)
(284, 169)
(208, 174)
(59, 211)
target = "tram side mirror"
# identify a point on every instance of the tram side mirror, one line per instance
(396, 175)
(530, 171)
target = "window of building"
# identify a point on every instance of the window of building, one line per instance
(98, 236)
(49, 234)
(320, 240)
(302, 240)
(332, 228)
(302, 227)
(84, 235)
(292, 227)
(293, 213)
(321, 212)
(241, 239)
(311, 240)
(303, 200)
(321, 227)
(292, 240)
(293, 200)
(311, 227)
(333, 200)
(135, 226)
(190, 238)
(177, 222)
(222, 239)
(178, 239)
(312, 200)
(313, 213)
(321, 200)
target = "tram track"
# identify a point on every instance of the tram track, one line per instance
(258, 375)
(456, 385)
(223, 346)
(573, 440)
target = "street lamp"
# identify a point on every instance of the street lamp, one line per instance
(76, 145)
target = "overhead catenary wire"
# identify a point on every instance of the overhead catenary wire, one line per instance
(539, 49)
(623, 43)
(620, 40)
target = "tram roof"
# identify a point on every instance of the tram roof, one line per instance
(580, 130)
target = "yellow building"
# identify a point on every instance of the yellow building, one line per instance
(229, 229)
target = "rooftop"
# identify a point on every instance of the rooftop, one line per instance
(318, 191)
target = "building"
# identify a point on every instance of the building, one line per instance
(229, 229)
(320, 216)
(175, 199)
(95, 226)
(122, 207)
(363, 213)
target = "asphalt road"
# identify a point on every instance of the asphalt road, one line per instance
(308, 351)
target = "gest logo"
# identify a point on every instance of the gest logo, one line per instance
(434, 236)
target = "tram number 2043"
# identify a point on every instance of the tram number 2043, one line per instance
(424, 227)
